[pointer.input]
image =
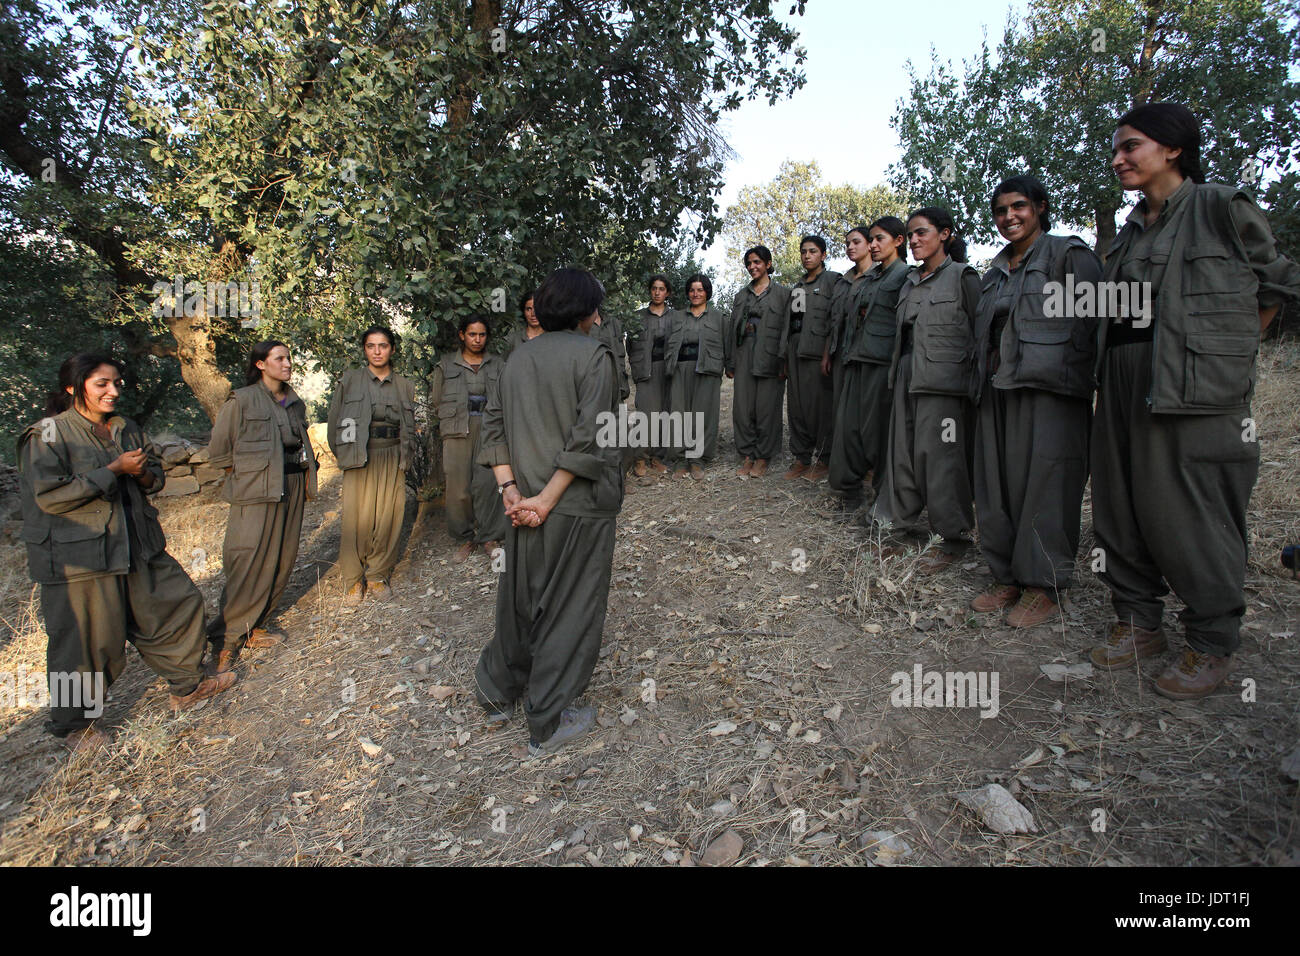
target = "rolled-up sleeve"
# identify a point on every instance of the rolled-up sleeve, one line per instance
(493, 448)
(1279, 277)
(596, 395)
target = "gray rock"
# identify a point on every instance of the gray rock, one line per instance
(175, 454)
(186, 485)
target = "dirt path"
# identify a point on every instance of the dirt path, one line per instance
(744, 684)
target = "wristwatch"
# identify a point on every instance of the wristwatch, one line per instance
(501, 489)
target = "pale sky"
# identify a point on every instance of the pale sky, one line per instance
(855, 68)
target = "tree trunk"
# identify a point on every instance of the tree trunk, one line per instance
(1105, 228)
(196, 350)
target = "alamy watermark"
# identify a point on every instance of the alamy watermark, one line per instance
(80, 690)
(633, 429)
(179, 298)
(1118, 301)
(923, 688)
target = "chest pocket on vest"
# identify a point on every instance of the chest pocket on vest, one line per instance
(1216, 279)
(453, 392)
(947, 337)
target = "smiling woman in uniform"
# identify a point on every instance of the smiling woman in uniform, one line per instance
(95, 547)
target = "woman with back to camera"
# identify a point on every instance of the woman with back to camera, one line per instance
(1033, 388)
(95, 547)
(371, 431)
(697, 355)
(260, 437)
(756, 358)
(1174, 454)
(860, 444)
(929, 429)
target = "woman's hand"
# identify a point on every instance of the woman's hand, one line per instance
(510, 497)
(530, 512)
(129, 463)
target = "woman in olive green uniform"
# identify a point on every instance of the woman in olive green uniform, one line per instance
(860, 443)
(261, 437)
(461, 382)
(371, 431)
(529, 330)
(808, 391)
(1174, 449)
(696, 356)
(95, 547)
(843, 296)
(645, 354)
(930, 426)
(756, 358)
(1033, 386)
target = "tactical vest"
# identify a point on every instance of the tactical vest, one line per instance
(943, 342)
(816, 318)
(773, 327)
(873, 323)
(453, 403)
(348, 427)
(711, 358)
(256, 451)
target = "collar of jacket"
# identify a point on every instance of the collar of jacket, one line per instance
(1138, 216)
(916, 278)
(1001, 260)
(77, 420)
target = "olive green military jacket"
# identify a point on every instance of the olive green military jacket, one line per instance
(843, 295)
(773, 329)
(348, 423)
(714, 352)
(1222, 268)
(610, 331)
(1054, 354)
(449, 394)
(74, 524)
(640, 344)
(247, 439)
(554, 407)
(815, 297)
(940, 311)
(872, 324)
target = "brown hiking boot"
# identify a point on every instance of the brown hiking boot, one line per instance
(995, 598)
(1035, 607)
(208, 687)
(1125, 645)
(639, 468)
(818, 471)
(379, 591)
(223, 663)
(697, 472)
(658, 467)
(355, 595)
(86, 739)
(797, 469)
(681, 472)
(463, 552)
(1197, 675)
(261, 638)
(759, 469)
(936, 560)
(745, 467)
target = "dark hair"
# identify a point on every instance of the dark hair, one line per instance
(383, 330)
(567, 297)
(1033, 190)
(941, 219)
(896, 228)
(261, 350)
(659, 277)
(469, 320)
(863, 230)
(763, 253)
(73, 374)
(1172, 125)
(703, 280)
(817, 241)
(523, 301)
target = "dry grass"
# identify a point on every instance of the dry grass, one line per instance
(706, 603)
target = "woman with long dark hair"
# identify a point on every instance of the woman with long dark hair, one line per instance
(1174, 450)
(96, 548)
(860, 443)
(930, 373)
(371, 431)
(462, 381)
(756, 358)
(530, 328)
(696, 357)
(260, 437)
(1033, 387)
(646, 353)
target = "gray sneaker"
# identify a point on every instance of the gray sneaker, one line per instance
(574, 723)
